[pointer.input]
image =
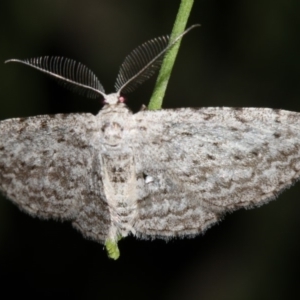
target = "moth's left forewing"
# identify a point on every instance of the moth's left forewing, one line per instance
(204, 162)
(170, 148)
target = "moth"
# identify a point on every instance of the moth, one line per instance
(153, 174)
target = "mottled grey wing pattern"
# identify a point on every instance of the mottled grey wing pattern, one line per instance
(48, 167)
(200, 163)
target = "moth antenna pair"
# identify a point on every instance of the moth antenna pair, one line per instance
(137, 67)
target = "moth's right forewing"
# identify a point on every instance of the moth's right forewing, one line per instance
(46, 162)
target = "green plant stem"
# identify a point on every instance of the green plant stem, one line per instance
(169, 59)
(112, 249)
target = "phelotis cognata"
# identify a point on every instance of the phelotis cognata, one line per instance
(153, 174)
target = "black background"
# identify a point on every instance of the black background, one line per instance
(246, 53)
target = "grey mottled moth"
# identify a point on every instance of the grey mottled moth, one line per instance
(153, 174)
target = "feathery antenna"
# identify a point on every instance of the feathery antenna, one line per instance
(67, 72)
(143, 62)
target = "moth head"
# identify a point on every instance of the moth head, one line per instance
(113, 98)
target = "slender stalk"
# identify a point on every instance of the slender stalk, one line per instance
(112, 249)
(167, 65)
